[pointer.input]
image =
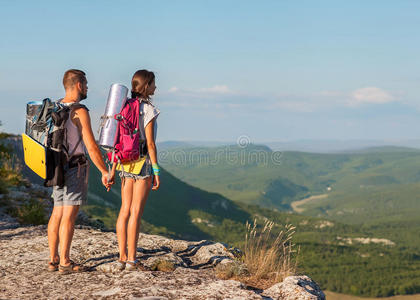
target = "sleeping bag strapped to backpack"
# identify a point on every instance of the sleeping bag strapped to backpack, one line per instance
(45, 125)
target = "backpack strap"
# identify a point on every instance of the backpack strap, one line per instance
(73, 105)
(46, 104)
(138, 114)
(78, 105)
(75, 147)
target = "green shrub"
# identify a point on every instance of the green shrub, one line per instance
(32, 212)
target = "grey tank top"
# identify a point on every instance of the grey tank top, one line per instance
(73, 136)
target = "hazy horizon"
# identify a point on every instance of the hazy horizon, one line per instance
(315, 146)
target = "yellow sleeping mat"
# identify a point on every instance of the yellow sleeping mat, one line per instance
(133, 167)
(35, 156)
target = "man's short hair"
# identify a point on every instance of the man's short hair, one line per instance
(73, 76)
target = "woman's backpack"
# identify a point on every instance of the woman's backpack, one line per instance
(127, 141)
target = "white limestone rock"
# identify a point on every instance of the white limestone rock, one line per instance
(295, 288)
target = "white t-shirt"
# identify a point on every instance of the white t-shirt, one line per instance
(148, 112)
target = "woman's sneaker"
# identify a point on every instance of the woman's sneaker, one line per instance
(135, 265)
(120, 265)
(117, 266)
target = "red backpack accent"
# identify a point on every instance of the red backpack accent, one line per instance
(127, 147)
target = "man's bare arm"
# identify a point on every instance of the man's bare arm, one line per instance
(82, 120)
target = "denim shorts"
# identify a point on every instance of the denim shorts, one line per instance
(145, 172)
(75, 189)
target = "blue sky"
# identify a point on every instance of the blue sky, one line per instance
(271, 70)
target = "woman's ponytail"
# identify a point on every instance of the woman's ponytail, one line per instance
(140, 82)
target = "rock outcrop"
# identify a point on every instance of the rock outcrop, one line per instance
(24, 254)
(295, 287)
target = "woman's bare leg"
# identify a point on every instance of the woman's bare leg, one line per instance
(126, 199)
(140, 193)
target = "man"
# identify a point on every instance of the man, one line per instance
(68, 199)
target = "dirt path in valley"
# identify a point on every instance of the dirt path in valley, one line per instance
(296, 204)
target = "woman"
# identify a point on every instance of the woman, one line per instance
(135, 187)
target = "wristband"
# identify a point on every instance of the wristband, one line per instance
(156, 169)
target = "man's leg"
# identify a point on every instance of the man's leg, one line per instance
(53, 230)
(66, 232)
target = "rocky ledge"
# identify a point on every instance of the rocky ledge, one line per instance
(190, 275)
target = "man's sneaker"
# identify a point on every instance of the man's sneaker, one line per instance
(71, 268)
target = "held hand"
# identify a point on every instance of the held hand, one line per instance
(156, 183)
(111, 180)
(105, 182)
(110, 184)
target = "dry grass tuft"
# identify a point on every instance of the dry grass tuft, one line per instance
(268, 258)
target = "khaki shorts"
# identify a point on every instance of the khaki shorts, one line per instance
(75, 187)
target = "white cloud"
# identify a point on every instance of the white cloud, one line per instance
(173, 89)
(324, 101)
(217, 89)
(214, 90)
(327, 100)
(370, 95)
(199, 98)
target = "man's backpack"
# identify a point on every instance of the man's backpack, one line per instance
(45, 123)
(127, 141)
